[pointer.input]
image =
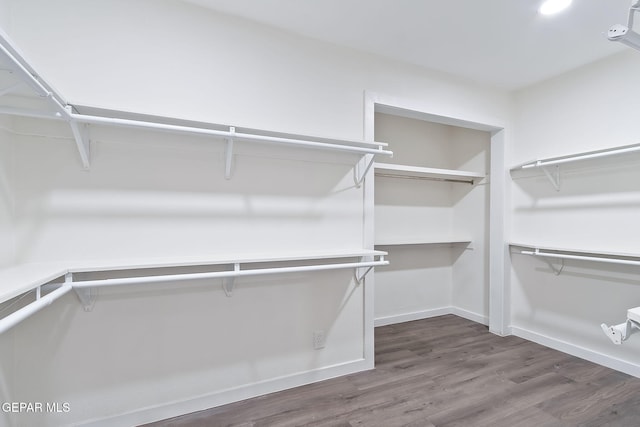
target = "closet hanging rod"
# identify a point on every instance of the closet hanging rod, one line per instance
(584, 156)
(224, 274)
(138, 124)
(425, 178)
(81, 287)
(65, 112)
(18, 316)
(581, 257)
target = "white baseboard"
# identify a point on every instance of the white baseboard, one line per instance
(425, 314)
(470, 315)
(581, 352)
(199, 403)
(408, 317)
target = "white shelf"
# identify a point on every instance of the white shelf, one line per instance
(26, 277)
(579, 254)
(23, 278)
(551, 166)
(51, 105)
(410, 242)
(415, 172)
(552, 161)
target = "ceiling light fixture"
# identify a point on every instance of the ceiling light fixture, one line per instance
(626, 35)
(551, 7)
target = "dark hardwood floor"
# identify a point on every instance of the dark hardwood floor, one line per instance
(447, 371)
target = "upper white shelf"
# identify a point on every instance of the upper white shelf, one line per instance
(553, 174)
(51, 105)
(415, 172)
(551, 161)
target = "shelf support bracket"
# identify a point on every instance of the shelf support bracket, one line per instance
(359, 273)
(536, 252)
(81, 135)
(359, 180)
(553, 268)
(554, 176)
(87, 296)
(229, 282)
(229, 154)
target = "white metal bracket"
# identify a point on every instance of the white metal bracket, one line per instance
(229, 282)
(227, 286)
(553, 268)
(360, 179)
(81, 135)
(229, 154)
(359, 273)
(554, 176)
(87, 296)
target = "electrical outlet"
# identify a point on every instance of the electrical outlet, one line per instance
(318, 340)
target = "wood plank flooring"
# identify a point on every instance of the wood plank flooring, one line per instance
(445, 372)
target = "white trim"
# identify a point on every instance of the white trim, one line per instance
(499, 217)
(408, 317)
(434, 312)
(236, 394)
(415, 109)
(578, 351)
(470, 315)
(368, 237)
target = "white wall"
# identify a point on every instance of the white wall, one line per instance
(470, 274)
(157, 195)
(419, 277)
(425, 280)
(6, 195)
(591, 108)
(6, 254)
(413, 209)
(150, 195)
(183, 61)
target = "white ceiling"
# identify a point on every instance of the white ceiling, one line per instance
(503, 43)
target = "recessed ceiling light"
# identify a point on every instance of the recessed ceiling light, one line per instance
(550, 7)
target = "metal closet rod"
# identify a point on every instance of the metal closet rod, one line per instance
(64, 112)
(41, 302)
(424, 178)
(18, 316)
(138, 124)
(609, 260)
(222, 274)
(585, 156)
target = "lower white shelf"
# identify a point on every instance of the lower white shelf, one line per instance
(24, 278)
(410, 242)
(416, 172)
